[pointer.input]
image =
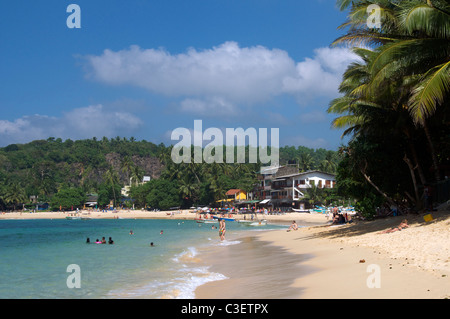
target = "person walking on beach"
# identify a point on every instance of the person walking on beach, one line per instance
(222, 229)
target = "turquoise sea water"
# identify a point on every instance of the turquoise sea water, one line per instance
(35, 254)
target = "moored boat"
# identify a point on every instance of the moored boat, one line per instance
(253, 222)
(224, 218)
(73, 217)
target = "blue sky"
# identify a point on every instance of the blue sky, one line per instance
(144, 68)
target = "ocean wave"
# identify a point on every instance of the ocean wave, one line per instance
(182, 286)
(228, 242)
(188, 255)
(190, 280)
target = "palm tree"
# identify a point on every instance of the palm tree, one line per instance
(305, 162)
(314, 194)
(188, 189)
(126, 165)
(328, 164)
(412, 51)
(113, 178)
(136, 175)
(14, 194)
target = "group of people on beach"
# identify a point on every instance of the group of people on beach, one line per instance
(339, 217)
(103, 241)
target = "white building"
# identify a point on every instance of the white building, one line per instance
(285, 186)
(125, 190)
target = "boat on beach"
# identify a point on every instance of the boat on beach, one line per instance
(224, 218)
(73, 216)
(78, 216)
(261, 222)
(206, 221)
(301, 210)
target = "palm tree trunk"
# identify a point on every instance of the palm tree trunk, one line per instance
(416, 161)
(413, 177)
(390, 201)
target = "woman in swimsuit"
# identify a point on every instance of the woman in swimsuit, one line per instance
(222, 229)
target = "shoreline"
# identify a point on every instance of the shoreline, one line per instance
(352, 261)
(301, 218)
(319, 260)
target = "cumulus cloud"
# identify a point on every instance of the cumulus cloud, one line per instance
(321, 75)
(238, 74)
(224, 76)
(84, 122)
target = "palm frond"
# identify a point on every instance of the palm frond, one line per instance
(343, 4)
(430, 92)
(429, 20)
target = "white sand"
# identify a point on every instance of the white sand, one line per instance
(412, 263)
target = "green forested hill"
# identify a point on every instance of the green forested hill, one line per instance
(45, 167)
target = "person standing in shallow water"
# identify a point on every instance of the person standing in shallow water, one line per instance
(222, 229)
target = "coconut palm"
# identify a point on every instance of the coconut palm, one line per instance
(305, 162)
(411, 58)
(188, 189)
(413, 40)
(136, 175)
(112, 178)
(126, 164)
(14, 194)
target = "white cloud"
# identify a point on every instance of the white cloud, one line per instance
(84, 122)
(321, 75)
(225, 75)
(228, 71)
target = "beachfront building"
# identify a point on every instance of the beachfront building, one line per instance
(233, 197)
(91, 201)
(236, 195)
(125, 190)
(284, 187)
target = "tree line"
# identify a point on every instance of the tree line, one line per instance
(395, 104)
(63, 173)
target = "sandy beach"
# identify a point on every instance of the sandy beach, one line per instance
(351, 261)
(304, 219)
(355, 260)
